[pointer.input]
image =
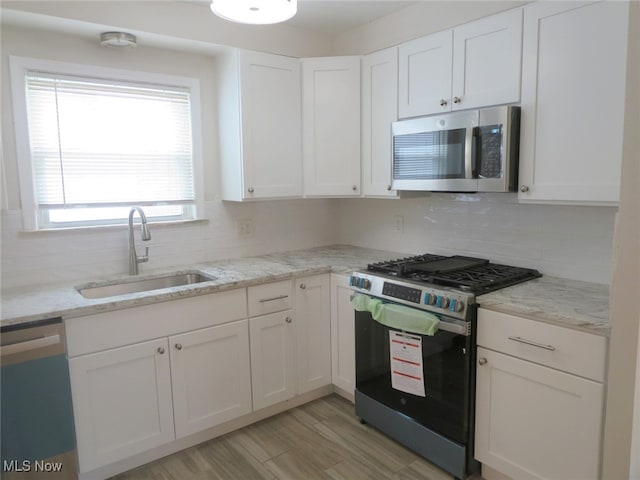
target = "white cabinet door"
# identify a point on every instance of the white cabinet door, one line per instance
(343, 354)
(573, 94)
(379, 110)
(533, 422)
(273, 371)
(313, 332)
(331, 126)
(424, 76)
(474, 65)
(259, 125)
(121, 402)
(486, 61)
(211, 376)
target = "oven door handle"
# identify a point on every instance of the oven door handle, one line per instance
(462, 328)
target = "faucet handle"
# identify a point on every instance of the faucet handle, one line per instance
(145, 257)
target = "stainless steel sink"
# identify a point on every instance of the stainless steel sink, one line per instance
(143, 285)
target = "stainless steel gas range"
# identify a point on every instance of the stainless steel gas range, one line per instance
(415, 350)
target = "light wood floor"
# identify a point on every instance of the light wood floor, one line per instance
(320, 440)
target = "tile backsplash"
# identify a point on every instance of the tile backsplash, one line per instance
(30, 258)
(565, 241)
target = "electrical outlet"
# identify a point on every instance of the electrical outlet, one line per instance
(245, 228)
(399, 223)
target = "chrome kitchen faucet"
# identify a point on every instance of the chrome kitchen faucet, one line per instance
(134, 259)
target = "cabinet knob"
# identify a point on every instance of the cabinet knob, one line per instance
(482, 361)
(457, 99)
(178, 346)
(388, 188)
(443, 102)
(288, 320)
(524, 189)
(354, 187)
(161, 350)
(250, 189)
(303, 286)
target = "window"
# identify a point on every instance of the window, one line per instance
(101, 143)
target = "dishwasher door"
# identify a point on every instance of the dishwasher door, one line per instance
(37, 431)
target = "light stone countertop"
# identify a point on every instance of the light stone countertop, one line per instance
(27, 304)
(569, 303)
(564, 302)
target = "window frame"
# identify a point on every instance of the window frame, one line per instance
(19, 66)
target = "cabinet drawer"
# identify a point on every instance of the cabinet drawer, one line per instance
(557, 347)
(269, 298)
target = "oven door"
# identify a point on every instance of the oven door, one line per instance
(443, 403)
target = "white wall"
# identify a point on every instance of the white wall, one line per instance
(45, 257)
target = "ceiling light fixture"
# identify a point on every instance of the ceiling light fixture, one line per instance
(117, 39)
(255, 12)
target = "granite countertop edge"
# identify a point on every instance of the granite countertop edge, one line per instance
(548, 299)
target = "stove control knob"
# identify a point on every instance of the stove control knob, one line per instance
(429, 299)
(456, 305)
(442, 302)
(366, 284)
(353, 281)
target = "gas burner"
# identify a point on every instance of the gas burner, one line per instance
(475, 275)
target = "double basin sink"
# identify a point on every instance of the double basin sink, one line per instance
(143, 284)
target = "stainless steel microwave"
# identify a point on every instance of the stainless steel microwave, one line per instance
(468, 151)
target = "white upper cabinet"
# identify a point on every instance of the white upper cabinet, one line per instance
(470, 66)
(486, 61)
(424, 76)
(259, 124)
(379, 110)
(573, 94)
(331, 126)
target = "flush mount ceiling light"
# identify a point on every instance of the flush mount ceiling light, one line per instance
(117, 39)
(256, 12)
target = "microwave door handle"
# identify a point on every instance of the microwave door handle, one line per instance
(469, 153)
(474, 153)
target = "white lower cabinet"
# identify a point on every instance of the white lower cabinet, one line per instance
(313, 332)
(211, 376)
(290, 349)
(343, 354)
(273, 370)
(533, 420)
(129, 387)
(122, 402)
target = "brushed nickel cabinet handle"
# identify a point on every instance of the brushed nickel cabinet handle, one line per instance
(482, 361)
(457, 99)
(288, 320)
(161, 350)
(178, 346)
(524, 189)
(533, 344)
(250, 189)
(443, 103)
(272, 299)
(303, 286)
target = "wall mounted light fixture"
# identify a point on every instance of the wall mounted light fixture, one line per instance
(256, 12)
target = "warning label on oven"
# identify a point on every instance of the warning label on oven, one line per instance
(406, 363)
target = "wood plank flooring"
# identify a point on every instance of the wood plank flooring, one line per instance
(320, 440)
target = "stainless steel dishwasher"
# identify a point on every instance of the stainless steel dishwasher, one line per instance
(37, 431)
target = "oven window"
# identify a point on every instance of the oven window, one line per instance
(429, 155)
(446, 365)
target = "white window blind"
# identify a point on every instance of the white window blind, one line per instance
(99, 143)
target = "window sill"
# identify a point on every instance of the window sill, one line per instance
(120, 226)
